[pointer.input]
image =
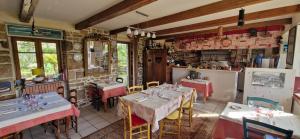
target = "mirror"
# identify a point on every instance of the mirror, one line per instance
(97, 56)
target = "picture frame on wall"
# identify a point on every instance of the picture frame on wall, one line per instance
(291, 45)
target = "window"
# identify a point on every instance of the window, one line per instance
(27, 58)
(35, 53)
(50, 58)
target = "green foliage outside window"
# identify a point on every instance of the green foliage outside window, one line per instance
(123, 61)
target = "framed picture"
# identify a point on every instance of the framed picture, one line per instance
(291, 46)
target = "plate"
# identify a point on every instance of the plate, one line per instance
(234, 107)
(77, 46)
(77, 57)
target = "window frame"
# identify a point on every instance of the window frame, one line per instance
(38, 52)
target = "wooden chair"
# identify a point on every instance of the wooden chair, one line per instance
(133, 124)
(135, 89)
(263, 102)
(73, 100)
(152, 84)
(93, 92)
(188, 106)
(61, 91)
(173, 117)
(287, 134)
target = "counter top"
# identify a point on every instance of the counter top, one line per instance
(181, 67)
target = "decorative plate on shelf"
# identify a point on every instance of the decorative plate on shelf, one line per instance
(77, 46)
(77, 57)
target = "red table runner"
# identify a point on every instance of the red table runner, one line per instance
(120, 91)
(206, 89)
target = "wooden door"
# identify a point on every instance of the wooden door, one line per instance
(155, 65)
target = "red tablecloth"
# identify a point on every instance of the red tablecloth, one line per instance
(37, 121)
(206, 89)
(120, 91)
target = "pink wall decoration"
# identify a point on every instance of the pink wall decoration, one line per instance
(235, 39)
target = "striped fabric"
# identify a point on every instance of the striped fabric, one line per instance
(43, 87)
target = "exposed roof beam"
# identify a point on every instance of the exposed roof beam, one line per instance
(27, 9)
(216, 7)
(121, 8)
(251, 25)
(233, 19)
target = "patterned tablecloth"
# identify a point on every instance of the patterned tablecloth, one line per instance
(201, 86)
(16, 116)
(108, 90)
(231, 118)
(156, 103)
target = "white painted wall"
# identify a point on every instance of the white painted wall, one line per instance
(282, 95)
(224, 82)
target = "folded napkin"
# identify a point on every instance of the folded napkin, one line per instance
(164, 96)
(141, 99)
(8, 111)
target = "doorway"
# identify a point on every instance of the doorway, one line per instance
(123, 62)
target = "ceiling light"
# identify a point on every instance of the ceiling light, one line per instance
(241, 17)
(136, 32)
(143, 33)
(148, 35)
(153, 36)
(128, 31)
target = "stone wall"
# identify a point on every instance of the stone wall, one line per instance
(76, 77)
(141, 47)
(6, 57)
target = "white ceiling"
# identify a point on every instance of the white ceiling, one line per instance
(74, 11)
(70, 11)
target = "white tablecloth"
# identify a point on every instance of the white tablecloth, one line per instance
(15, 111)
(156, 103)
(108, 86)
(280, 119)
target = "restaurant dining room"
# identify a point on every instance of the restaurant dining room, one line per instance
(149, 69)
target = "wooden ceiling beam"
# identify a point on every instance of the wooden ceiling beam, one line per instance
(121, 8)
(233, 19)
(246, 26)
(216, 7)
(27, 9)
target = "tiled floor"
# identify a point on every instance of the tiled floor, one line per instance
(89, 122)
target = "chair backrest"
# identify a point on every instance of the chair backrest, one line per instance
(73, 97)
(263, 102)
(126, 113)
(92, 90)
(5, 87)
(180, 109)
(135, 89)
(287, 134)
(191, 102)
(119, 80)
(61, 91)
(152, 84)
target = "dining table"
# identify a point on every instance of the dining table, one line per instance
(203, 87)
(110, 89)
(230, 123)
(32, 110)
(156, 103)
